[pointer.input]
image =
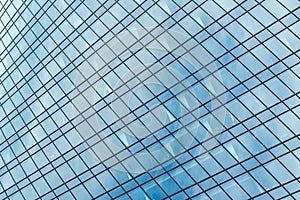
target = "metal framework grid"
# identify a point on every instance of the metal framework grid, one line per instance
(49, 146)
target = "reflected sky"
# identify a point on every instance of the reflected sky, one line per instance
(222, 83)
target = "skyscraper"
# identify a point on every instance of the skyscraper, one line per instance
(163, 99)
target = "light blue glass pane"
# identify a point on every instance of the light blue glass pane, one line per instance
(80, 193)
(29, 192)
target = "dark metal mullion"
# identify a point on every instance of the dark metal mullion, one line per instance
(104, 97)
(247, 171)
(131, 112)
(277, 187)
(275, 75)
(219, 122)
(259, 119)
(236, 165)
(19, 163)
(59, 128)
(148, 89)
(160, 101)
(23, 143)
(205, 128)
(245, 159)
(90, 85)
(115, 114)
(24, 28)
(162, 22)
(280, 186)
(43, 127)
(74, 30)
(274, 105)
(46, 83)
(213, 148)
(273, 94)
(17, 12)
(40, 88)
(263, 83)
(26, 75)
(37, 143)
(37, 39)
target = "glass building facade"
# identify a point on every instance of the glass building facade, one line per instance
(155, 99)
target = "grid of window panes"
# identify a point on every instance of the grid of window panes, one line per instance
(50, 148)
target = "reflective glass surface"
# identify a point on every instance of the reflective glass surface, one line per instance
(163, 99)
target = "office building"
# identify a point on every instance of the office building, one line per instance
(163, 99)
